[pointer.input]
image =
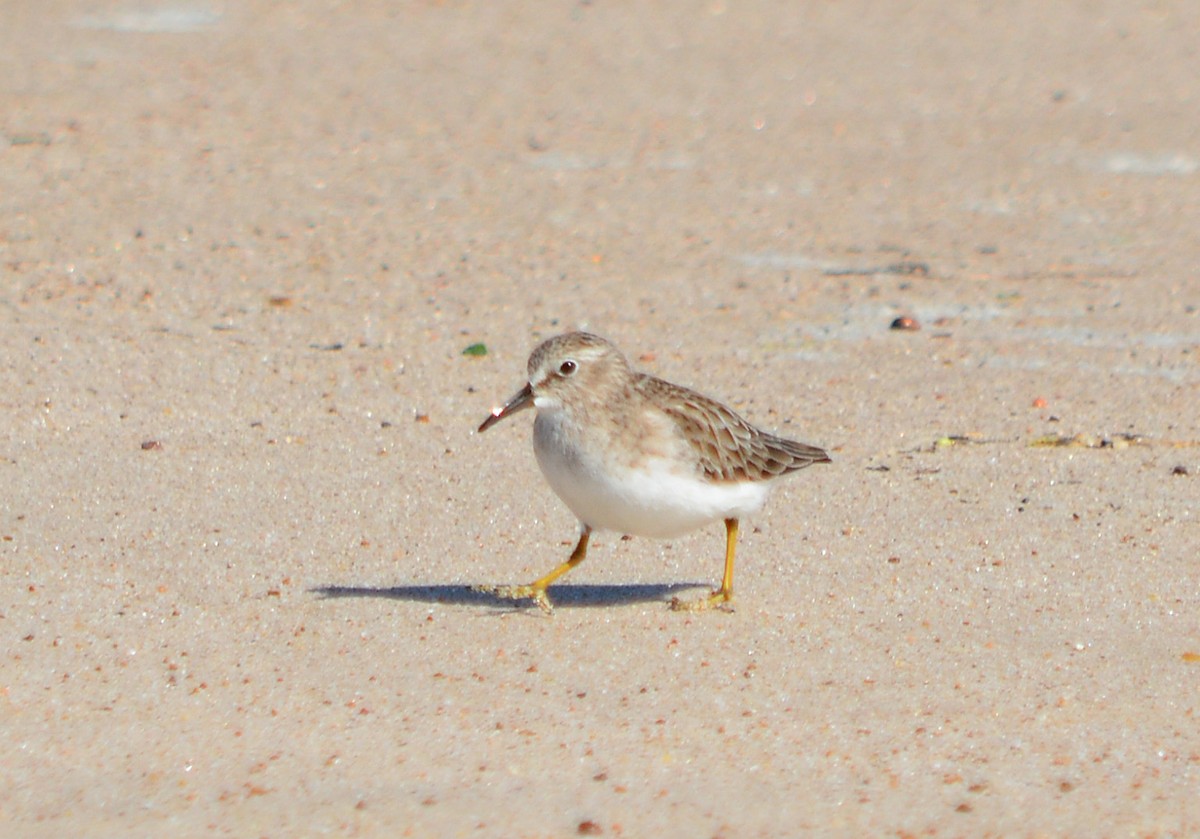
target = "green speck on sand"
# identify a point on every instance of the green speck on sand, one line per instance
(30, 138)
(476, 350)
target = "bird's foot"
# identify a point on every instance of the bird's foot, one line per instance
(719, 599)
(528, 592)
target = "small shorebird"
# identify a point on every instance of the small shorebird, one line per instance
(636, 454)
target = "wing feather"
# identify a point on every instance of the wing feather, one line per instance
(727, 447)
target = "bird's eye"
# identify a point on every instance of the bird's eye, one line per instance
(568, 367)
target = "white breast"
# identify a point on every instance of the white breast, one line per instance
(656, 497)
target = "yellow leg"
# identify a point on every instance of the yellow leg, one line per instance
(722, 597)
(536, 590)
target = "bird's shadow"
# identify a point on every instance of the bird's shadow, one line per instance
(569, 596)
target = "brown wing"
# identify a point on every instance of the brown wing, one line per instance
(728, 447)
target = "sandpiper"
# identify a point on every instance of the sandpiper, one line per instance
(632, 453)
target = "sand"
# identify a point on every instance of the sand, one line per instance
(245, 245)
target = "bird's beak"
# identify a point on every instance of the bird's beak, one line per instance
(521, 400)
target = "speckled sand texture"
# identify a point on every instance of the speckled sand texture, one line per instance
(244, 245)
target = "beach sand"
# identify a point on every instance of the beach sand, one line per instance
(245, 246)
